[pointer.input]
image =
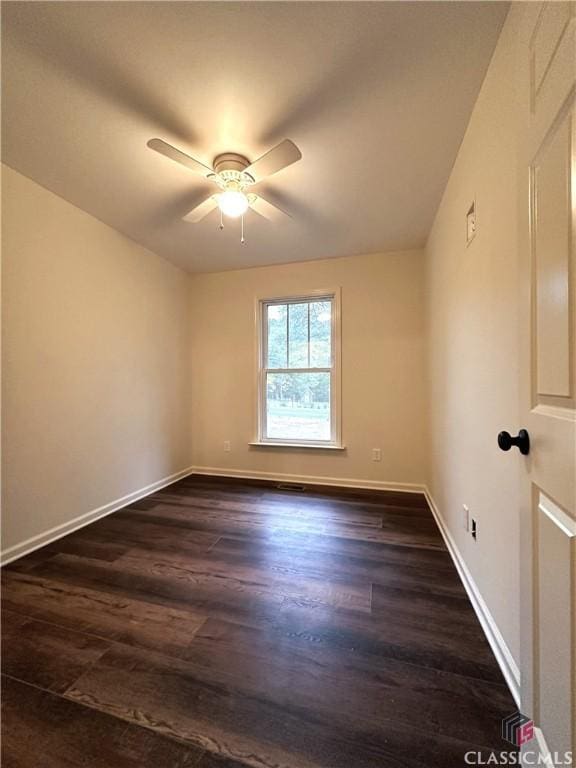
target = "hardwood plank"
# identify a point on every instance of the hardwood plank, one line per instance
(322, 518)
(48, 656)
(436, 610)
(218, 520)
(451, 648)
(41, 729)
(86, 544)
(170, 697)
(356, 687)
(225, 523)
(119, 530)
(136, 622)
(200, 585)
(319, 564)
(321, 545)
(11, 623)
(271, 509)
(26, 563)
(248, 603)
(226, 574)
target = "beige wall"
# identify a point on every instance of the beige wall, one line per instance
(99, 399)
(96, 363)
(383, 386)
(473, 345)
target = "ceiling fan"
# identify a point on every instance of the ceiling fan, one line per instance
(234, 175)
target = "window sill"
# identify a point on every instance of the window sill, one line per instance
(309, 446)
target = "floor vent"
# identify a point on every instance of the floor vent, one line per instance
(290, 487)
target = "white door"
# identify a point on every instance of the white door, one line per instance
(547, 237)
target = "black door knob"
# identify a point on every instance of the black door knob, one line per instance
(521, 441)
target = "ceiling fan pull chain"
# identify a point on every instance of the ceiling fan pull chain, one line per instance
(221, 220)
(242, 225)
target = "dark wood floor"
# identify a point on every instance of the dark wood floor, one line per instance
(223, 624)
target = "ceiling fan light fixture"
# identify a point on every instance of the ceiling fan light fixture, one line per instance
(234, 175)
(233, 203)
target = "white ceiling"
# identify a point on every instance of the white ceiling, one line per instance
(376, 95)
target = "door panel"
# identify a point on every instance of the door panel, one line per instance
(550, 193)
(555, 548)
(547, 208)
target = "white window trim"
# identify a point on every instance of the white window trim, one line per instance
(335, 443)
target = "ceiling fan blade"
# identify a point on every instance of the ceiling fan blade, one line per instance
(274, 160)
(179, 157)
(267, 210)
(202, 210)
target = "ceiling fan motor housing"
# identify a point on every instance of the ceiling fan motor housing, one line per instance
(230, 174)
(230, 161)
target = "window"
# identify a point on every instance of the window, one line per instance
(299, 370)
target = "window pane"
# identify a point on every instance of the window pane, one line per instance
(320, 334)
(277, 339)
(298, 406)
(298, 335)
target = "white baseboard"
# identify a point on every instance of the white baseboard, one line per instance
(501, 651)
(41, 539)
(341, 482)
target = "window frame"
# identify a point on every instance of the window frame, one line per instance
(335, 371)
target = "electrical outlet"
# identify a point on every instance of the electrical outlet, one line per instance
(474, 529)
(465, 517)
(227, 447)
(376, 454)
